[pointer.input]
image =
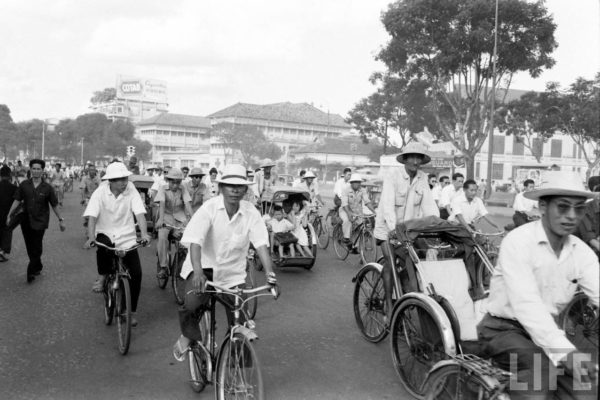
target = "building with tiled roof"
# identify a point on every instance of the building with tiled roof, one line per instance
(177, 139)
(289, 125)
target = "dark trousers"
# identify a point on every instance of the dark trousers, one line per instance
(444, 213)
(520, 218)
(5, 239)
(511, 348)
(105, 260)
(195, 304)
(33, 243)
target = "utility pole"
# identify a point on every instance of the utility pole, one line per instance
(43, 137)
(82, 151)
(491, 134)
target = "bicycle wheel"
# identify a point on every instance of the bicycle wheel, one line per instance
(177, 282)
(453, 382)
(251, 305)
(322, 234)
(340, 248)
(238, 371)
(368, 248)
(198, 363)
(416, 342)
(123, 314)
(109, 302)
(369, 301)
(579, 320)
(162, 281)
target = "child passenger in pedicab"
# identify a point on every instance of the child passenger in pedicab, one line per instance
(297, 215)
(281, 233)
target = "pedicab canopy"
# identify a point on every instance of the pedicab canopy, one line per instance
(141, 181)
(282, 193)
(454, 233)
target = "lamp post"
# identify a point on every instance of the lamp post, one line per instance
(82, 151)
(491, 134)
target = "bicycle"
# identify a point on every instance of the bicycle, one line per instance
(117, 296)
(252, 266)
(361, 238)
(319, 227)
(488, 251)
(579, 321)
(236, 373)
(176, 258)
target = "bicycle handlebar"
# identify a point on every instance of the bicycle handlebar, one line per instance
(139, 244)
(500, 233)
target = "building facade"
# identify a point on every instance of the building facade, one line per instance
(178, 140)
(288, 125)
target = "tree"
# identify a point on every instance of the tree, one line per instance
(104, 96)
(7, 129)
(447, 48)
(377, 152)
(525, 118)
(576, 112)
(248, 140)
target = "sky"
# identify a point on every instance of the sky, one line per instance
(214, 53)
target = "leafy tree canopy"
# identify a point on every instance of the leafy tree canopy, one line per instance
(104, 96)
(247, 140)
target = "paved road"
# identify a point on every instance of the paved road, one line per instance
(54, 345)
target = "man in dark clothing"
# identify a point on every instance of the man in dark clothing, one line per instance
(589, 227)
(7, 191)
(37, 197)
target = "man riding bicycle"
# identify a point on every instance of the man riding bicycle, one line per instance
(111, 210)
(219, 235)
(540, 268)
(57, 179)
(353, 198)
(174, 209)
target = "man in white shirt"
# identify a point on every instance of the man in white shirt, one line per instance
(405, 195)
(340, 186)
(354, 199)
(308, 183)
(448, 193)
(468, 208)
(110, 213)
(540, 268)
(219, 235)
(436, 192)
(298, 180)
(525, 210)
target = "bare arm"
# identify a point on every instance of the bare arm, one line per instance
(141, 220)
(199, 279)
(462, 221)
(61, 222)
(265, 259)
(13, 207)
(485, 217)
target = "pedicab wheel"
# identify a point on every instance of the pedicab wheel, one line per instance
(198, 368)
(322, 234)
(238, 371)
(416, 342)
(123, 314)
(252, 304)
(109, 303)
(177, 282)
(579, 321)
(162, 281)
(340, 248)
(369, 301)
(452, 381)
(368, 247)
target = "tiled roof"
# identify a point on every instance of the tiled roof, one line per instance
(338, 146)
(286, 112)
(170, 119)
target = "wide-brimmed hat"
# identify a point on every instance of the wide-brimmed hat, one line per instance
(414, 148)
(267, 163)
(309, 174)
(174, 173)
(559, 183)
(116, 170)
(196, 171)
(355, 178)
(234, 174)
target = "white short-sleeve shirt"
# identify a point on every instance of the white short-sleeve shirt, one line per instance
(224, 241)
(470, 210)
(114, 215)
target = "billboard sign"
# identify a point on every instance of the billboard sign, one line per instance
(141, 89)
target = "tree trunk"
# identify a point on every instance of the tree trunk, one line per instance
(385, 138)
(470, 165)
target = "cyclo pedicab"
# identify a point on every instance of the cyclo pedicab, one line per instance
(439, 295)
(285, 196)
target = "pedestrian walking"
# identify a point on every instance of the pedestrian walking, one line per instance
(7, 192)
(37, 197)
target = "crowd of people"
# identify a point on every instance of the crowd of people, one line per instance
(541, 261)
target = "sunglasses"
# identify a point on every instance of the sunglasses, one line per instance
(564, 208)
(176, 182)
